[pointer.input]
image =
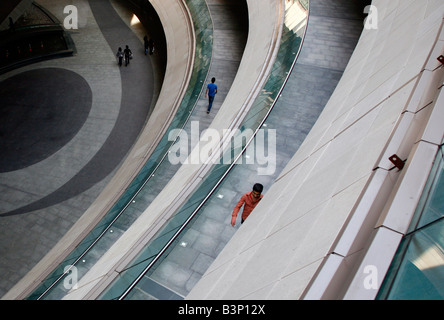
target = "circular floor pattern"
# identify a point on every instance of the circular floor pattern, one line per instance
(40, 111)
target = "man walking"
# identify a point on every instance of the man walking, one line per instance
(249, 200)
(128, 55)
(211, 92)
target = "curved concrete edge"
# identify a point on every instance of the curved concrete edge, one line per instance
(266, 18)
(288, 243)
(180, 36)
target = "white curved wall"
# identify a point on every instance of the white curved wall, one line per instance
(290, 241)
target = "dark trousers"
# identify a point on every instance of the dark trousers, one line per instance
(210, 102)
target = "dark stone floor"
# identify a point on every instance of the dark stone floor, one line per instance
(40, 111)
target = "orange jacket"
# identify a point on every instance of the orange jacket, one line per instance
(250, 204)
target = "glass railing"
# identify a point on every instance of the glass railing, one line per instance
(417, 270)
(149, 182)
(163, 268)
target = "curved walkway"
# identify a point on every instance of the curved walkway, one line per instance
(40, 203)
(230, 25)
(332, 30)
(251, 75)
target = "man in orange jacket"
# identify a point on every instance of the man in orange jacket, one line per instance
(250, 200)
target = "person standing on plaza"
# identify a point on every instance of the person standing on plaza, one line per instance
(128, 54)
(146, 44)
(119, 56)
(211, 92)
(249, 200)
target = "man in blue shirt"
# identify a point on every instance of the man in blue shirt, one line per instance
(211, 92)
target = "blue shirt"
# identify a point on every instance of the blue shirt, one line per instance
(212, 89)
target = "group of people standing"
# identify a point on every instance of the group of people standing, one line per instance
(126, 55)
